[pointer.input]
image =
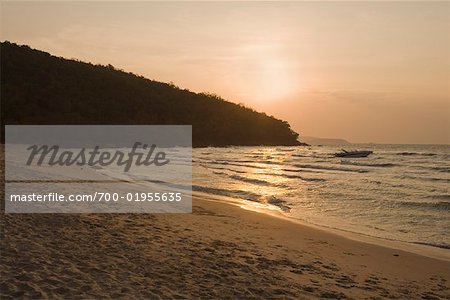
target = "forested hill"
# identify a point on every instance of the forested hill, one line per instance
(38, 88)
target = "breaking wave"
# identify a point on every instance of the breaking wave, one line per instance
(330, 168)
(416, 153)
(380, 165)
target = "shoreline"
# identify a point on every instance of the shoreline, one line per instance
(416, 248)
(274, 211)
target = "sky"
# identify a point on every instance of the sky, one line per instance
(363, 71)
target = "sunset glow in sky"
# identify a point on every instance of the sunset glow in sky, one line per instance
(366, 72)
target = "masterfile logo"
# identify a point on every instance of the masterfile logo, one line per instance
(55, 156)
(98, 169)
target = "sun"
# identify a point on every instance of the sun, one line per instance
(265, 72)
(276, 80)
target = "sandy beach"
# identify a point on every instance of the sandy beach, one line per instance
(218, 251)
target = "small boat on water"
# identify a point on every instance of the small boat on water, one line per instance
(353, 153)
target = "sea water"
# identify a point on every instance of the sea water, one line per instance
(400, 192)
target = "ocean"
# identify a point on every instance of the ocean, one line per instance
(400, 192)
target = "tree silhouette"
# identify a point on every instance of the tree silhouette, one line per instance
(37, 88)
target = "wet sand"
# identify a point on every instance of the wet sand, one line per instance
(218, 251)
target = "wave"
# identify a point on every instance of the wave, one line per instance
(282, 204)
(301, 170)
(256, 181)
(437, 245)
(234, 164)
(331, 168)
(285, 150)
(228, 193)
(222, 168)
(381, 165)
(441, 205)
(426, 178)
(295, 177)
(268, 162)
(442, 197)
(219, 173)
(416, 153)
(264, 182)
(255, 156)
(250, 180)
(235, 161)
(428, 154)
(438, 169)
(301, 177)
(437, 179)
